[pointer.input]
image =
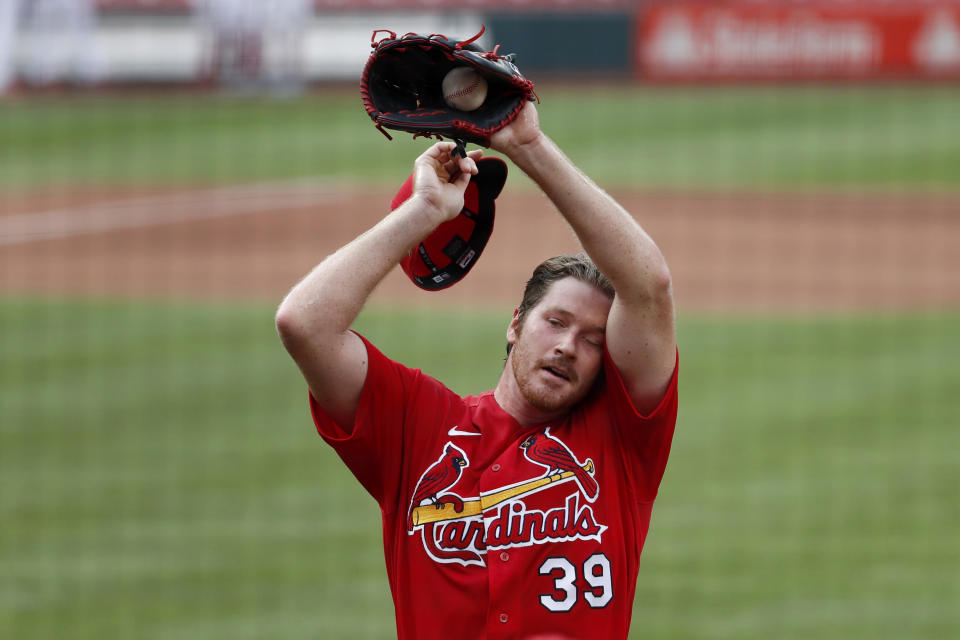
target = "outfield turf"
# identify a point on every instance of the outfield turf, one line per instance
(890, 136)
(161, 478)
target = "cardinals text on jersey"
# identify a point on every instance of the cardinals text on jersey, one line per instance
(457, 529)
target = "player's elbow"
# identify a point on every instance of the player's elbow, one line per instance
(653, 285)
(306, 326)
(660, 283)
(290, 324)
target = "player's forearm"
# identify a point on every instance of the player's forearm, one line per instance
(328, 300)
(321, 308)
(611, 237)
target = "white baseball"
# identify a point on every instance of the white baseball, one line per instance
(464, 89)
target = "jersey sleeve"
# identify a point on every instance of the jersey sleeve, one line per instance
(386, 425)
(646, 438)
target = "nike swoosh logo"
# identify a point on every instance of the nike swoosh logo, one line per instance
(455, 431)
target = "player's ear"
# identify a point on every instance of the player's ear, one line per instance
(513, 329)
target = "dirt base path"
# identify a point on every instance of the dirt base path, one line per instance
(727, 251)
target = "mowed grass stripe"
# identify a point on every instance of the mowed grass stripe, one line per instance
(162, 479)
(708, 137)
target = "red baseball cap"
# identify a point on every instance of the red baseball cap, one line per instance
(450, 251)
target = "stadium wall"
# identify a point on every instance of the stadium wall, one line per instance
(653, 41)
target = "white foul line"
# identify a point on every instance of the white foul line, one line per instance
(145, 211)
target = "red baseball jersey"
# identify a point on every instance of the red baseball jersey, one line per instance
(495, 530)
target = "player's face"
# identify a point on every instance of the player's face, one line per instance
(558, 349)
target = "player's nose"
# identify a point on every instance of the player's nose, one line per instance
(566, 344)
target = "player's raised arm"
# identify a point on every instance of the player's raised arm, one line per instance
(315, 317)
(640, 332)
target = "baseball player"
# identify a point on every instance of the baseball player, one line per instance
(520, 512)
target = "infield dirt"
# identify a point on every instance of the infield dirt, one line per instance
(744, 252)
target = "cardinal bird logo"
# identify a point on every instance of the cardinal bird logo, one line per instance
(550, 452)
(439, 477)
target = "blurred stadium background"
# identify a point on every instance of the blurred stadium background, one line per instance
(169, 168)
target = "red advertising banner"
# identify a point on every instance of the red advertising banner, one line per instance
(727, 40)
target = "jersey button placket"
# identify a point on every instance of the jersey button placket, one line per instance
(502, 564)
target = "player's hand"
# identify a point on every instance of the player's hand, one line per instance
(440, 179)
(523, 132)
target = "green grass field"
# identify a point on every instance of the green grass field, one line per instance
(881, 136)
(161, 477)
